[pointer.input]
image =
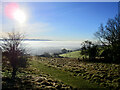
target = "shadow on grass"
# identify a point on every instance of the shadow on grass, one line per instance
(17, 83)
(106, 61)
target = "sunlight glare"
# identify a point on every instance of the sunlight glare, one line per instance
(19, 16)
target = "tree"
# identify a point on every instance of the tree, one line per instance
(64, 50)
(109, 35)
(13, 51)
(93, 52)
(46, 54)
(88, 48)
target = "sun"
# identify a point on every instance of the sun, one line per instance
(13, 11)
(19, 16)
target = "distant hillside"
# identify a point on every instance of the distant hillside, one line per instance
(37, 40)
(33, 40)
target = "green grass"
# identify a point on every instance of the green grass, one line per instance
(64, 76)
(75, 54)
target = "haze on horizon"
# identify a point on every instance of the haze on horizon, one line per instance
(57, 20)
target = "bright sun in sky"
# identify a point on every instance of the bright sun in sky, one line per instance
(13, 11)
(19, 16)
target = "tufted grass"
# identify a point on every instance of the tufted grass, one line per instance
(64, 76)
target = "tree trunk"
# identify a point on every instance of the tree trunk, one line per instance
(14, 73)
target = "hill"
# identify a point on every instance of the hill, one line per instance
(74, 54)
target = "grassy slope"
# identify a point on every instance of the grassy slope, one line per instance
(65, 77)
(75, 54)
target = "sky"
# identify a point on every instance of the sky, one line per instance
(58, 20)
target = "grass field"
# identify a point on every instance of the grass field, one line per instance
(63, 73)
(104, 74)
(33, 77)
(64, 76)
(75, 54)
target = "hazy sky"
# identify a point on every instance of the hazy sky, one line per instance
(61, 20)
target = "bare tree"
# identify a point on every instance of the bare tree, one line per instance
(13, 51)
(109, 35)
